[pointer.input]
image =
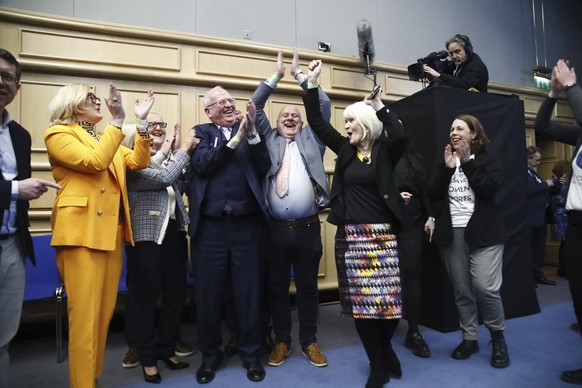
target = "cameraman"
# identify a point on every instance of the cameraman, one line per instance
(469, 71)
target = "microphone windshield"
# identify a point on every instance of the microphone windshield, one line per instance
(365, 42)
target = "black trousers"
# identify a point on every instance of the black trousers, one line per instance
(538, 248)
(301, 248)
(227, 249)
(410, 245)
(157, 268)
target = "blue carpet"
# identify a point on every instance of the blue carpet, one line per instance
(541, 346)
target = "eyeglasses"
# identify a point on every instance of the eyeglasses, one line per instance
(8, 78)
(154, 124)
(223, 102)
(94, 99)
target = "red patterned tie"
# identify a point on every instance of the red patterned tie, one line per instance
(282, 176)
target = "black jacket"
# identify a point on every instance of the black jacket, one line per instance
(386, 152)
(485, 227)
(21, 141)
(473, 74)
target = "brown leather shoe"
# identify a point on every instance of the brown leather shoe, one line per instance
(280, 352)
(314, 355)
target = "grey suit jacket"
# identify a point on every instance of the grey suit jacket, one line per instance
(148, 198)
(309, 145)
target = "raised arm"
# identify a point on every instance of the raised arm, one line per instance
(544, 125)
(567, 78)
(326, 133)
(324, 101)
(262, 94)
(151, 179)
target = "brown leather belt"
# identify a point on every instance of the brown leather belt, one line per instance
(292, 224)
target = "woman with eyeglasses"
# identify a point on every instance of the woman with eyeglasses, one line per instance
(90, 218)
(157, 263)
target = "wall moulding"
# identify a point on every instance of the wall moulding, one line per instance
(89, 49)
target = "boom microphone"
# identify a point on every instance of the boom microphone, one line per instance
(434, 56)
(365, 44)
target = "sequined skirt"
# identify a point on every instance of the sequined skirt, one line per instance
(368, 273)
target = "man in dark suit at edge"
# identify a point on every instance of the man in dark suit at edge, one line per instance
(538, 201)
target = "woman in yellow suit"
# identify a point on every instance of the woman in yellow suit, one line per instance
(90, 218)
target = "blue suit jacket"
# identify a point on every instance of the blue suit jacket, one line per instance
(209, 160)
(537, 199)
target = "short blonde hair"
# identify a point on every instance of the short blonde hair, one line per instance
(365, 115)
(68, 103)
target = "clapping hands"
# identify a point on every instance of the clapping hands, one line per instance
(142, 108)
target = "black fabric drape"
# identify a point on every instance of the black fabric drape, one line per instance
(428, 116)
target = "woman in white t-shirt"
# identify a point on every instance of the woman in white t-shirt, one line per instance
(470, 234)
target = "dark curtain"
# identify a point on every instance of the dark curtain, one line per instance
(428, 116)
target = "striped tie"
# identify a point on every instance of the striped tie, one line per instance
(282, 176)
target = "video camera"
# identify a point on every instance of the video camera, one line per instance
(437, 60)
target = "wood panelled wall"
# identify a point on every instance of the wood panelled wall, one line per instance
(55, 51)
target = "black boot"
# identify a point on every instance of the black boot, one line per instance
(499, 356)
(392, 363)
(369, 333)
(377, 378)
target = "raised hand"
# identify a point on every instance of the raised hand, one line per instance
(556, 87)
(177, 137)
(564, 74)
(115, 105)
(167, 145)
(314, 71)
(376, 101)
(450, 157)
(190, 142)
(142, 108)
(280, 71)
(295, 69)
(463, 151)
(250, 119)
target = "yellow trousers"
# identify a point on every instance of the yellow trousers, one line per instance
(91, 280)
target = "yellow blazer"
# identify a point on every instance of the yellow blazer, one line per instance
(92, 176)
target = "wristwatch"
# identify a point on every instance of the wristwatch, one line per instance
(569, 85)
